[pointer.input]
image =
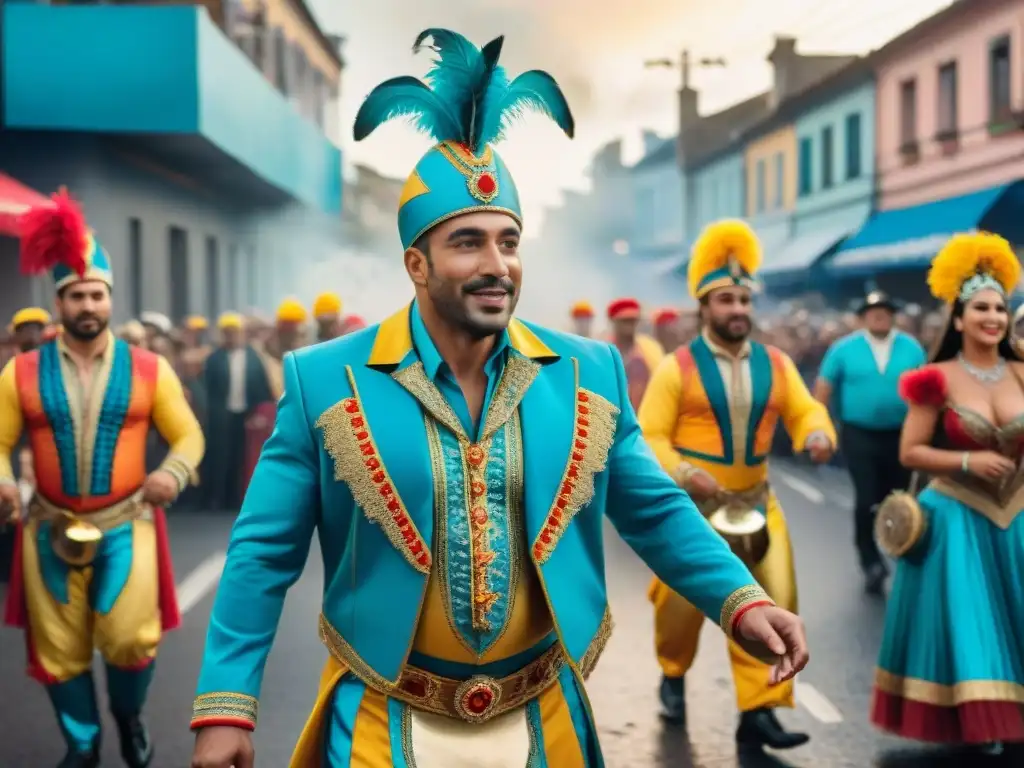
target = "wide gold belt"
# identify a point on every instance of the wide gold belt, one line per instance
(476, 700)
(75, 537)
(105, 519)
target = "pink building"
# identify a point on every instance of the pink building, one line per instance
(950, 106)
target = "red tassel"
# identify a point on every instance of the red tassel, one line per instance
(925, 386)
(52, 234)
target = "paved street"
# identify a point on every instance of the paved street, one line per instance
(844, 629)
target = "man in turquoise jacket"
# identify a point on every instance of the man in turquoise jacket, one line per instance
(458, 465)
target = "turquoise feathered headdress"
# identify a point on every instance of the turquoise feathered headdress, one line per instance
(468, 104)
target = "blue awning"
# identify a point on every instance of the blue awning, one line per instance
(908, 238)
(803, 250)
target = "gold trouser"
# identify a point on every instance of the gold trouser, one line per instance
(677, 623)
(112, 605)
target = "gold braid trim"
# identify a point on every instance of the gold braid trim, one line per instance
(224, 706)
(593, 653)
(357, 463)
(737, 601)
(593, 433)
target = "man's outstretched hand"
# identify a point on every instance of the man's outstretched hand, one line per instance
(223, 747)
(775, 636)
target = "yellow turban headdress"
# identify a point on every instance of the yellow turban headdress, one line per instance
(726, 253)
(326, 304)
(30, 315)
(230, 320)
(196, 323)
(291, 311)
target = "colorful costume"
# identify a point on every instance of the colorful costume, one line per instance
(951, 665)
(642, 356)
(707, 410)
(463, 606)
(88, 441)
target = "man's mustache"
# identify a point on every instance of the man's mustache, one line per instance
(489, 284)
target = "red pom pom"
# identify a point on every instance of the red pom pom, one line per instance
(925, 386)
(52, 234)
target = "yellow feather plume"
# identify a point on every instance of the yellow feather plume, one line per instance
(966, 255)
(720, 241)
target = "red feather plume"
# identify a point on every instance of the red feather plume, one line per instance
(52, 234)
(924, 386)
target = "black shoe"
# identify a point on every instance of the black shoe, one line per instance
(136, 746)
(761, 728)
(672, 694)
(90, 759)
(874, 578)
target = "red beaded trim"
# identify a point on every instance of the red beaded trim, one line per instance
(381, 480)
(568, 500)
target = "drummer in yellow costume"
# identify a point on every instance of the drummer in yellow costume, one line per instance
(709, 414)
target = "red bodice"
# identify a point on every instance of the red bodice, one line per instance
(962, 428)
(969, 431)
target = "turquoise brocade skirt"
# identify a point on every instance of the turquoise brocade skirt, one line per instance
(951, 665)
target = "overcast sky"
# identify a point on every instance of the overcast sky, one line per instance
(596, 51)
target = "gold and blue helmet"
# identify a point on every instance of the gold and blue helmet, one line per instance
(466, 105)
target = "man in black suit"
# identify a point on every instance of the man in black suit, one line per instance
(236, 382)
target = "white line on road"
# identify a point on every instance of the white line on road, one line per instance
(815, 702)
(805, 489)
(198, 583)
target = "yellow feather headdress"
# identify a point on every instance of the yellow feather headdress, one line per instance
(981, 258)
(726, 253)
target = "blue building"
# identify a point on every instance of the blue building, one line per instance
(835, 174)
(201, 151)
(714, 186)
(657, 202)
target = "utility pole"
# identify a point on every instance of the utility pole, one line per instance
(685, 63)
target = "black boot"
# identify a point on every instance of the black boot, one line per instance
(673, 699)
(136, 747)
(90, 759)
(761, 728)
(874, 578)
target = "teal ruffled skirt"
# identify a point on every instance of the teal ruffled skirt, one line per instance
(951, 665)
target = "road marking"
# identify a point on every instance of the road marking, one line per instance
(805, 489)
(817, 704)
(199, 583)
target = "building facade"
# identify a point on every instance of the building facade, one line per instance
(950, 95)
(835, 175)
(950, 150)
(769, 167)
(206, 175)
(657, 211)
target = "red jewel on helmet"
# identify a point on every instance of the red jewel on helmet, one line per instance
(486, 184)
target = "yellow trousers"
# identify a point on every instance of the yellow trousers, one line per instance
(677, 623)
(112, 605)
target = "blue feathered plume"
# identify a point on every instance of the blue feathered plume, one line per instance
(469, 98)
